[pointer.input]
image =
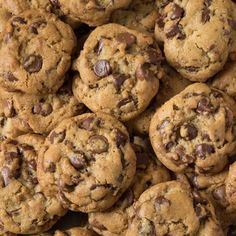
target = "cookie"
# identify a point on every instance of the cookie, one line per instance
(141, 15)
(93, 13)
(149, 172)
(196, 35)
(76, 231)
(226, 79)
(4, 17)
(87, 161)
(38, 113)
(120, 71)
(170, 85)
(171, 208)
(24, 209)
(35, 53)
(195, 130)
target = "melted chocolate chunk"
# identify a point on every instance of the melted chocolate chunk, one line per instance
(87, 123)
(78, 160)
(98, 144)
(125, 101)
(204, 149)
(9, 76)
(144, 72)
(57, 137)
(120, 138)
(102, 68)
(177, 12)
(33, 63)
(126, 38)
(204, 105)
(119, 79)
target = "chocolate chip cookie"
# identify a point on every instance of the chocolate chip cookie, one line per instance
(148, 173)
(226, 79)
(91, 12)
(88, 161)
(141, 15)
(120, 71)
(35, 53)
(170, 85)
(171, 208)
(24, 209)
(39, 113)
(195, 130)
(76, 231)
(196, 35)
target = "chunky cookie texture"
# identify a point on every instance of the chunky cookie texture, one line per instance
(141, 15)
(37, 113)
(149, 172)
(35, 53)
(76, 231)
(197, 36)
(91, 12)
(24, 209)
(120, 71)
(88, 161)
(195, 130)
(172, 208)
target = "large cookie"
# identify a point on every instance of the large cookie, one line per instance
(88, 161)
(195, 130)
(35, 53)
(120, 71)
(197, 36)
(23, 207)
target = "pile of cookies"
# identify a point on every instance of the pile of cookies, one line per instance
(118, 117)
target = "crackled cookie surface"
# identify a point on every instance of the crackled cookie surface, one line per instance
(120, 71)
(197, 36)
(195, 130)
(88, 161)
(172, 208)
(35, 53)
(148, 173)
(23, 207)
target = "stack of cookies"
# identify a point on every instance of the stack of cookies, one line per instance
(118, 117)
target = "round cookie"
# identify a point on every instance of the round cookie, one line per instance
(24, 209)
(171, 208)
(120, 71)
(87, 161)
(195, 130)
(39, 113)
(226, 79)
(35, 53)
(149, 172)
(170, 85)
(196, 35)
(141, 15)
(91, 12)
(76, 231)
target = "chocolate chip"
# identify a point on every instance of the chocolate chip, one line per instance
(65, 187)
(6, 175)
(51, 168)
(33, 63)
(102, 68)
(161, 201)
(216, 94)
(232, 23)
(120, 138)
(125, 101)
(126, 38)
(219, 194)
(76, 179)
(154, 56)
(204, 105)
(160, 21)
(201, 213)
(143, 72)
(86, 123)
(18, 20)
(55, 3)
(32, 164)
(191, 131)
(229, 118)
(98, 144)
(119, 79)
(198, 199)
(204, 149)
(9, 109)
(43, 109)
(206, 11)
(169, 145)
(173, 31)
(99, 47)
(177, 12)
(57, 137)
(78, 160)
(35, 25)
(10, 156)
(9, 76)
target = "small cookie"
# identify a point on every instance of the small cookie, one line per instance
(195, 130)
(226, 80)
(149, 172)
(196, 36)
(35, 53)
(89, 161)
(171, 208)
(120, 71)
(38, 113)
(76, 231)
(141, 15)
(170, 85)
(91, 12)
(24, 209)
